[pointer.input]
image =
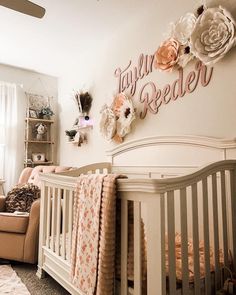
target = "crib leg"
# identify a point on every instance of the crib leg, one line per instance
(41, 274)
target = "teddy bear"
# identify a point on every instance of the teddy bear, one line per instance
(41, 130)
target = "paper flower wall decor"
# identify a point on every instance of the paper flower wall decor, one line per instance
(213, 35)
(207, 35)
(116, 120)
(167, 55)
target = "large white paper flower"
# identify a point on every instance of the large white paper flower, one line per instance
(183, 28)
(107, 123)
(213, 35)
(127, 115)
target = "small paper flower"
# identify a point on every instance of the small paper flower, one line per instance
(183, 28)
(167, 55)
(107, 123)
(185, 56)
(213, 35)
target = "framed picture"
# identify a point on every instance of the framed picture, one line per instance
(38, 157)
(33, 113)
(37, 102)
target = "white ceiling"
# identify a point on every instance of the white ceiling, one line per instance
(68, 30)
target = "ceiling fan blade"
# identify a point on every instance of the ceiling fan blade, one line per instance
(25, 7)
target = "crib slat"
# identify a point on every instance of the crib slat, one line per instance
(154, 247)
(70, 221)
(233, 206)
(216, 232)
(184, 241)
(195, 240)
(124, 246)
(64, 218)
(137, 249)
(171, 242)
(53, 219)
(58, 231)
(224, 218)
(163, 244)
(48, 218)
(206, 238)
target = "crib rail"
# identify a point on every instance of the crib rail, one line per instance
(56, 212)
(200, 207)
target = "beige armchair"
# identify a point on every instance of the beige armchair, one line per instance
(19, 233)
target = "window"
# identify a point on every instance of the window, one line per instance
(2, 150)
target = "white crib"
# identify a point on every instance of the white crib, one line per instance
(200, 205)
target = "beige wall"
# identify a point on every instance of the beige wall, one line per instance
(208, 111)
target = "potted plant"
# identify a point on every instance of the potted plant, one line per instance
(71, 134)
(46, 113)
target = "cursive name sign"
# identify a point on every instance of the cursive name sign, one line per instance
(150, 95)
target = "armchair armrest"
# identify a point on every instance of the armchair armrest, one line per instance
(32, 234)
(2, 203)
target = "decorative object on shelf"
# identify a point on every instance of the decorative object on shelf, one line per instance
(71, 134)
(41, 130)
(116, 120)
(84, 103)
(80, 138)
(46, 113)
(33, 114)
(38, 157)
(206, 35)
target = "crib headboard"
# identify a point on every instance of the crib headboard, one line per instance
(169, 156)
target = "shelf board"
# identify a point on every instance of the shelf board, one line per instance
(39, 163)
(39, 120)
(42, 163)
(83, 127)
(39, 141)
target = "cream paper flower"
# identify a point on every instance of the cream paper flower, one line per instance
(213, 35)
(183, 28)
(107, 123)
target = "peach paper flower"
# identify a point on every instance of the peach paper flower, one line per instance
(167, 55)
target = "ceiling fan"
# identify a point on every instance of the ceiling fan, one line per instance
(24, 6)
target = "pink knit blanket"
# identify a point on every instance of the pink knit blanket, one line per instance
(93, 237)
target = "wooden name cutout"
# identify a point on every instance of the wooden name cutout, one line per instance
(150, 95)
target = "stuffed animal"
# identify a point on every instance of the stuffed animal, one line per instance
(41, 130)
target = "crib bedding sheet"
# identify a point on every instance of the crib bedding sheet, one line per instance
(130, 266)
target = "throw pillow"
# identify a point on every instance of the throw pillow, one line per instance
(20, 198)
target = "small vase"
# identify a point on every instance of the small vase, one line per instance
(46, 117)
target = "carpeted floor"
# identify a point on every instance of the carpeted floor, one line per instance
(46, 286)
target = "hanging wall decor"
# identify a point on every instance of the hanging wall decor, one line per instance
(116, 120)
(78, 134)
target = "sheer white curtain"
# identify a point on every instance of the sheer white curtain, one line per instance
(11, 140)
